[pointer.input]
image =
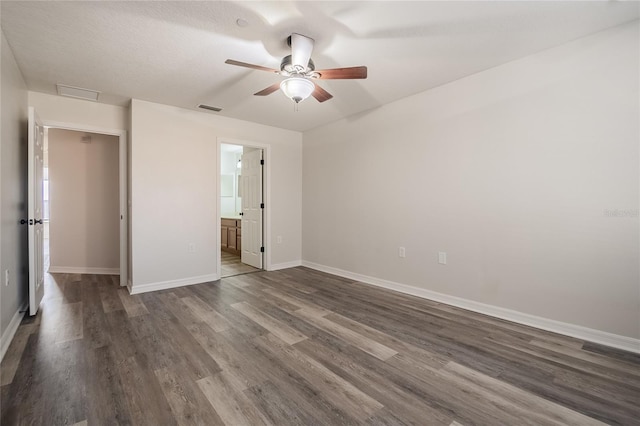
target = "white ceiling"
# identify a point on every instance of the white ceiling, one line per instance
(174, 52)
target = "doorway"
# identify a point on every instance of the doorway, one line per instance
(82, 202)
(105, 219)
(241, 208)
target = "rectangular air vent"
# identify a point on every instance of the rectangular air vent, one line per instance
(77, 92)
(210, 108)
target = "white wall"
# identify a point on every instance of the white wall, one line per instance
(174, 190)
(13, 157)
(59, 109)
(84, 192)
(511, 171)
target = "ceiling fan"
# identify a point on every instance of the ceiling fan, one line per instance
(300, 72)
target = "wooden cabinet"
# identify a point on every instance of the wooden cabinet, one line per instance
(224, 236)
(232, 240)
(231, 235)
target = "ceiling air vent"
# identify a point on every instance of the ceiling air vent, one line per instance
(77, 92)
(210, 108)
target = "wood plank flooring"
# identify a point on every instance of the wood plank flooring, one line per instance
(231, 265)
(298, 347)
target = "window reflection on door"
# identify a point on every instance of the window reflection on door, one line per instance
(45, 192)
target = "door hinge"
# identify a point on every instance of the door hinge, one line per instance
(262, 205)
(261, 249)
(262, 162)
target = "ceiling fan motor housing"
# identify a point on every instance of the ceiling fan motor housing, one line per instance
(287, 68)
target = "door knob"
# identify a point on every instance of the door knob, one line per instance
(23, 221)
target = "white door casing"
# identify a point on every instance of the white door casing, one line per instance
(35, 211)
(252, 207)
(124, 208)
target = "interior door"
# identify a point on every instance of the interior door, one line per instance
(251, 240)
(35, 211)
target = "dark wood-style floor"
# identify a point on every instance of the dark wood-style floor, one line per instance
(298, 347)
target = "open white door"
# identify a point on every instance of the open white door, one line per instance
(35, 208)
(252, 208)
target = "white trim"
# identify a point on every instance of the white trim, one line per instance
(129, 286)
(123, 167)
(602, 337)
(122, 184)
(164, 285)
(285, 265)
(10, 332)
(218, 207)
(83, 270)
(82, 128)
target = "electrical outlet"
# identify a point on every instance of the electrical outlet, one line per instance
(442, 257)
(279, 239)
(401, 252)
(191, 248)
(6, 277)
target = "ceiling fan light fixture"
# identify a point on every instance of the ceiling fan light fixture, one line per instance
(297, 88)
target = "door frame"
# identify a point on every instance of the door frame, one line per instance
(122, 184)
(266, 196)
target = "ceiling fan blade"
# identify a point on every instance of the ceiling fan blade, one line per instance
(252, 66)
(320, 94)
(301, 48)
(342, 73)
(269, 90)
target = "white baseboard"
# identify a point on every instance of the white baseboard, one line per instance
(129, 285)
(572, 330)
(285, 265)
(8, 334)
(83, 270)
(164, 285)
